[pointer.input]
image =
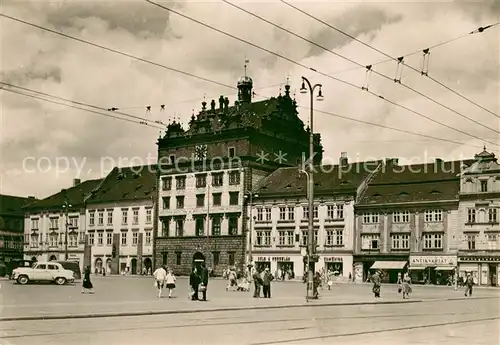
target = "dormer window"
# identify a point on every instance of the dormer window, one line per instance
(435, 192)
(484, 186)
(403, 194)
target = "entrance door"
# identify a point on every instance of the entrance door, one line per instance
(53, 258)
(147, 265)
(133, 263)
(493, 274)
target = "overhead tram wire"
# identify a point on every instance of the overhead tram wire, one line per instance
(319, 111)
(79, 108)
(316, 71)
(142, 119)
(479, 30)
(117, 52)
(357, 63)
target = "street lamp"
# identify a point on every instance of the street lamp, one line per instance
(310, 233)
(308, 257)
(249, 195)
(66, 207)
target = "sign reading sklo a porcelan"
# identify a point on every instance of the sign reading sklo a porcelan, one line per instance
(273, 258)
(433, 261)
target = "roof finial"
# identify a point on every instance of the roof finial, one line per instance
(484, 147)
(246, 62)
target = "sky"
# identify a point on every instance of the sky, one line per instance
(44, 146)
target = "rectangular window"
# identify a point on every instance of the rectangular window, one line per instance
(433, 216)
(217, 179)
(231, 257)
(180, 182)
(200, 200)
(335, 237)
(91, 218)
(178, 258)
(124, 217)
(200, 227)
(260, 214)
(433, 241)
(370, 242)
(400, 242)
(330, 211)
(166, 183)
(282, 238)
(268, 213)
(233, 198)
(34, 224)
(484, 186)
(135, 238)
(290, 238)
(149, 215)
(471, 215)
(148, 238)
(110, 217)
(179, 227)
(263, 238)
(135, 219)
(54, 223)
(124, 238)
(315, 212)
(471, 241)
(91, 238)
(291, 213)
(164, 257)
(100, 238)
(231, 152)
(282, 213)
(305, 237)
(179, 201)
(492, 215)
(53, 240)
(233, 226)
(100, 220)
(216, 222)
(401, 217)
(73, 240)
(201, 181)
(305, 212)
(234, 178)
(340, 211)
(109, 238)
(166, 202)
(370, 218)
(217, 199)
(165, 229)
(216, 258)
(339, 237)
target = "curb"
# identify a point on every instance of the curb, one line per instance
(210, 310)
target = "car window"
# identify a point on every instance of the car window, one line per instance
(52, 267)
(41, 267)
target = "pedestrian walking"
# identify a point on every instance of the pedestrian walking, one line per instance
(257, 281)
(377, 283)
(400, 283)
(87, 284)
(204, 281)
(266, 283)
(232, 283)
(170, 281)
(469, 282)
(194, 282)
(316, 285)
(406, 286)
(159, 277)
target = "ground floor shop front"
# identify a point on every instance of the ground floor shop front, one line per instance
(389, 266)
(77, 257)
(292, 265)
(484, 269)
(433, 269)
(127, 264)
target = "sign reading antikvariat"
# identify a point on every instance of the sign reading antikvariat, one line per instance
(433, 260)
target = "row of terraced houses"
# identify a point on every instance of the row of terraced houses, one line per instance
(230, 187)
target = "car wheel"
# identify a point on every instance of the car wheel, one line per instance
(60, 281)
(23, 280)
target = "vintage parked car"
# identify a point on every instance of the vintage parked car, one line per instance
(43, 271)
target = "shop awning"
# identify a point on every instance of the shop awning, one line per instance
(444, 268)
(388, 265)
(417, 268)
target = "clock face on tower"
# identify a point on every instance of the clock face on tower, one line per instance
(200, 152)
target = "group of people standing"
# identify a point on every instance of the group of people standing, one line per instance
(262, 279)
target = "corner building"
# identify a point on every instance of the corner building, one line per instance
(479, 238)
(206, 170)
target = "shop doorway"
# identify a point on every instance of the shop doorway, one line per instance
(335, 268)
(493, 274)
(285, 271)
(133, 264)
(261, 266)
(53, 258)
(98, 265)
(147, 265)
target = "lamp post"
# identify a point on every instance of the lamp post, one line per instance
(66, 207)
(249, 195)
(308, 285)
(310, 233)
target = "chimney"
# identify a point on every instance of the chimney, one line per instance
(439, 161)
(31, 197)
(76, 181)
(221, 102)
(343, 161)
(212, 105)
(391, 161)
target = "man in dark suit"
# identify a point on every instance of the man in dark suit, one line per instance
(204, 280)
(194, 281)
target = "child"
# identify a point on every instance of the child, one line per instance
(170, 280)
(243, 285)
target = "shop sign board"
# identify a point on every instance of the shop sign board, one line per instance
(433, 260)
(273, 258)
(333, 259)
